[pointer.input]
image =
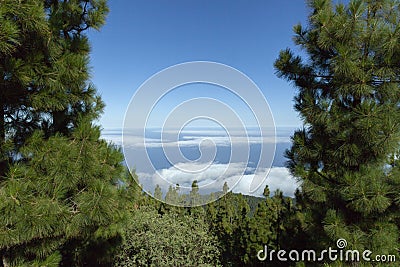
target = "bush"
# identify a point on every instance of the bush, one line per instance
(168, 240)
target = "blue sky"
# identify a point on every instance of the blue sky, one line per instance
(143, 37)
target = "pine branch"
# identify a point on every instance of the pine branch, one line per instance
(332, 181)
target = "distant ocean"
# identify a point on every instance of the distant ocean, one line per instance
(167, 150)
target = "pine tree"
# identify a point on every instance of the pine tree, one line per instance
(195, 201)
(261, 230)
(194, 196)
(158, 193)
(282, 210)
(172, 196)
(240, 233)
(63, 200)
(224, 225)
(23, 31)
(294, 221)
(348, 98)
(225, 188)
(44, 64)
(62, 189)
(211, 210)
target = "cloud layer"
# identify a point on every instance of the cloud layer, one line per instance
(194, 137)
(212, 177)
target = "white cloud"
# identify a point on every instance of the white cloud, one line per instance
(193, 137)
(185, 173)
(186, 141)
(226, 141)
(276, 178)
(131, 140)
(252, 131)
(211, 178)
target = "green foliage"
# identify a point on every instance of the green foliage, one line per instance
(158, 193)
(228, 218)
(44, 66)
(268, 226)
(159, 234)
(66, 200)
(167, 240)
(348, 97)
(65, 190)
(61, 197)
(253, 202)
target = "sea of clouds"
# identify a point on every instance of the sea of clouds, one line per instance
(211, 175)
